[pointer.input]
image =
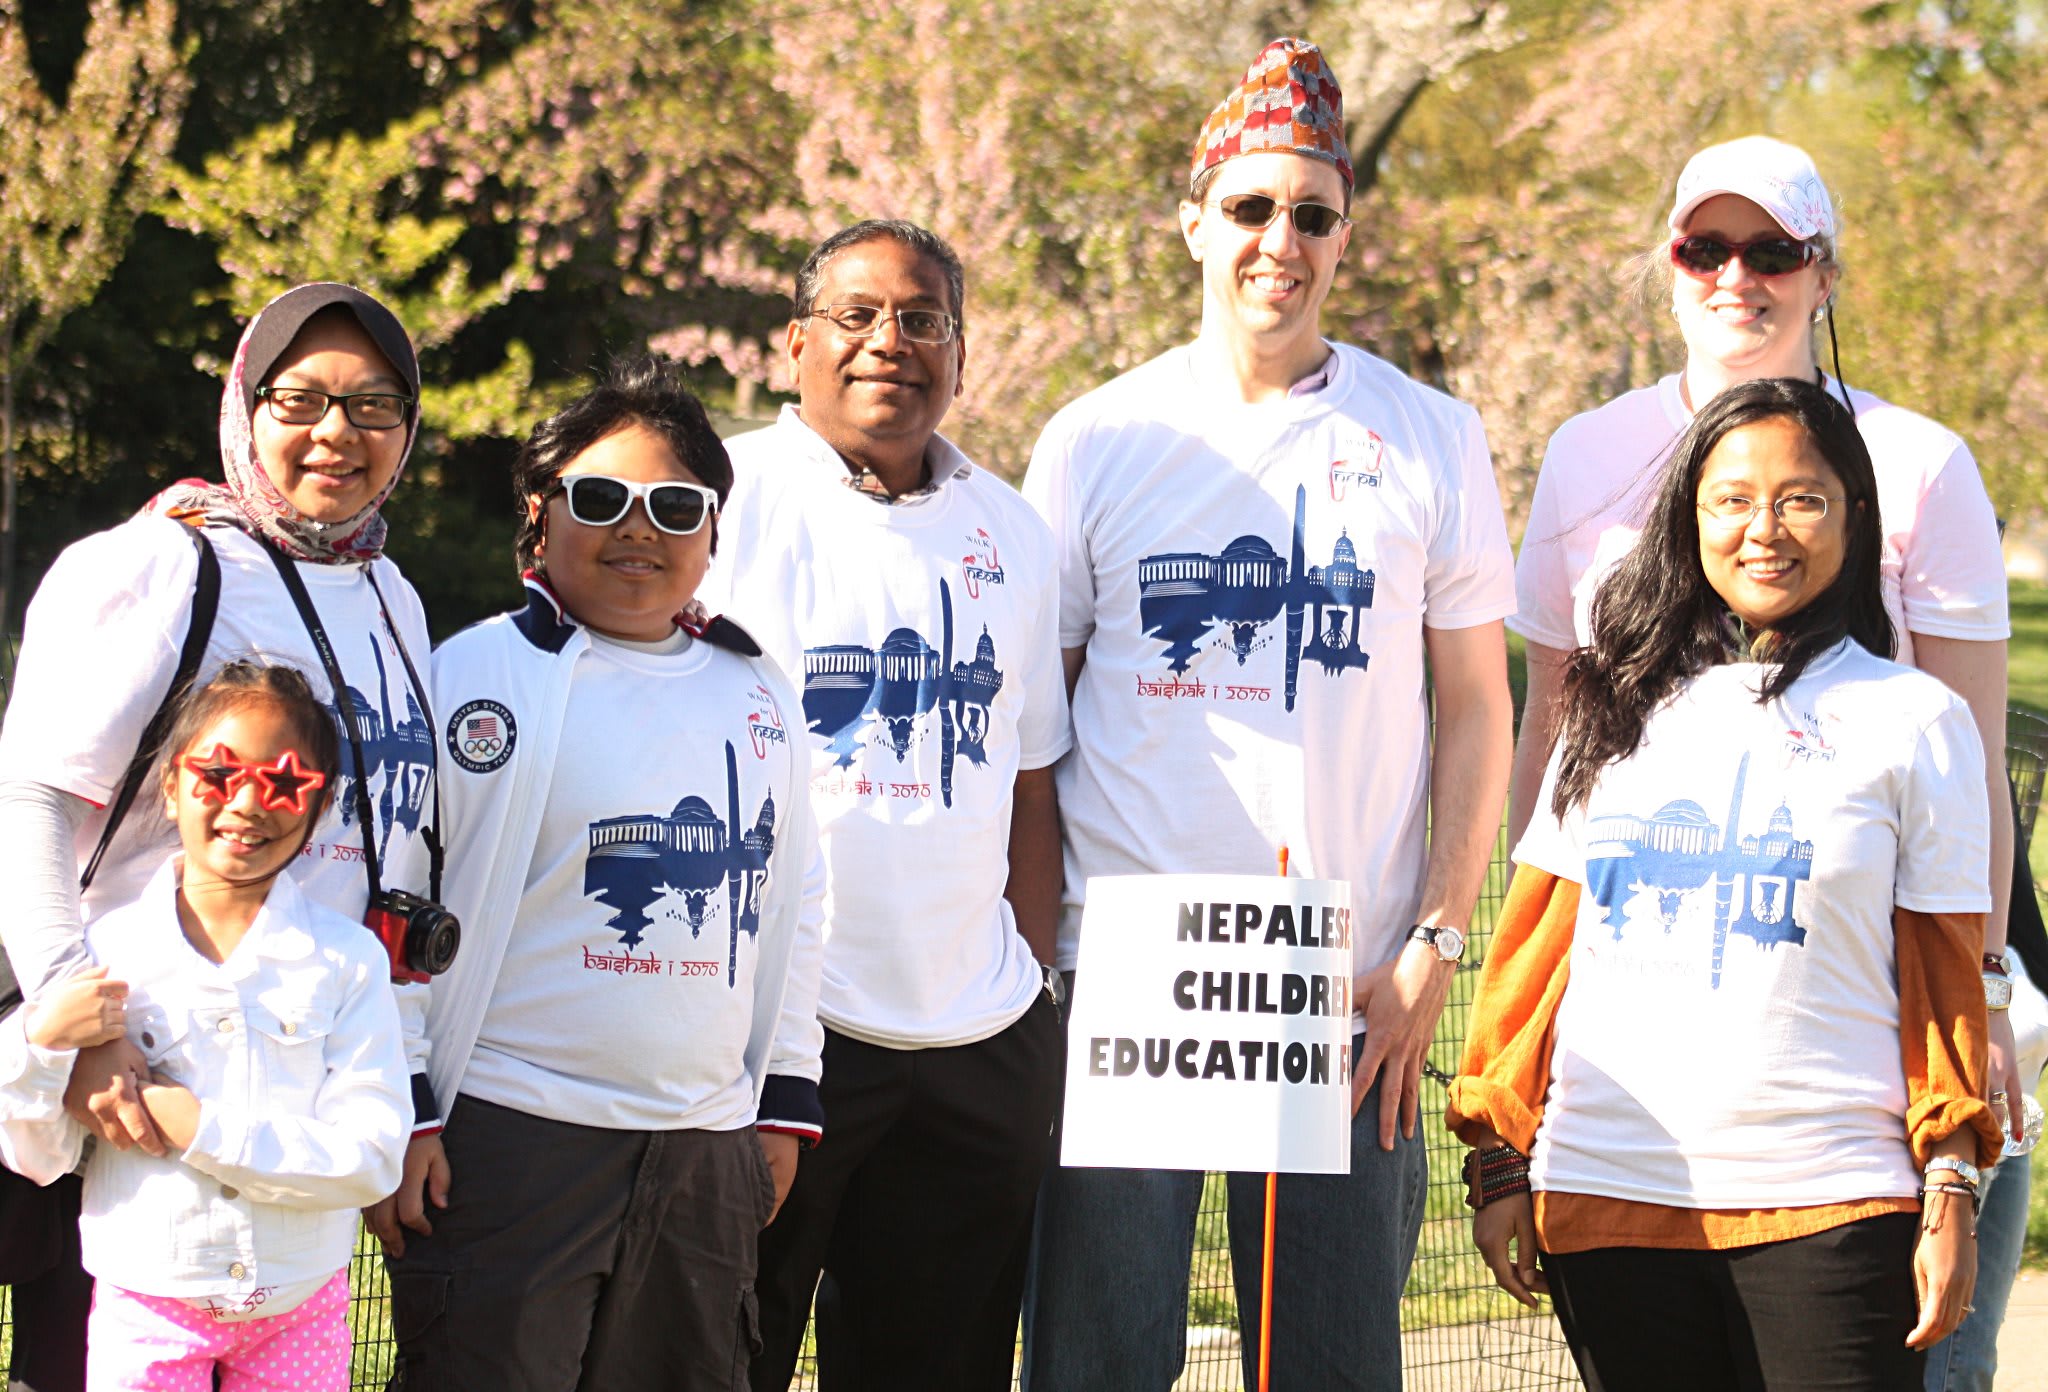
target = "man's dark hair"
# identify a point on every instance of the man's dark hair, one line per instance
(640, 390)
(925, 243)
(1658, 622)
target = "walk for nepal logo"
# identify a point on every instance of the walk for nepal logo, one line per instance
(1805, 741)
(855, 696)
(1360, 470)
(1184, 596)
(764, 722)
(1653, 869)
(676, 867)
(980, 566)
(481, 736)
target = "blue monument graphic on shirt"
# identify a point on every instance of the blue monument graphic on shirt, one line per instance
(856, 695)
(1679, 851)
(690, 855)
(1183, 596)
(398, 753)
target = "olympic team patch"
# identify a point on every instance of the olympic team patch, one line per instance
(481, 736)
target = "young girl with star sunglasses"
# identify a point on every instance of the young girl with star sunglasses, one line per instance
(276, 1072)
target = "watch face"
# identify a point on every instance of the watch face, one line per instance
(1450, 944)
(1997, 992)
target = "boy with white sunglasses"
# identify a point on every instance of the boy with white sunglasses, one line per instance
(629, 1042)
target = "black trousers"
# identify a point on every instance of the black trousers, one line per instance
(52, 1295)
(917, 1210)
(578, 1259)
(1810, 1314)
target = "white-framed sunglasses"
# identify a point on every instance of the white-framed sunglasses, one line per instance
(598, 500)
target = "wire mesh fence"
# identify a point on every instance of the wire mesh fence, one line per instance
(1460, 1333)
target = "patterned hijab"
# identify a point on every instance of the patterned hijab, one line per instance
(249, 500)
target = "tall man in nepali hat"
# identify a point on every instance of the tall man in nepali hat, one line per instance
(1276, 514)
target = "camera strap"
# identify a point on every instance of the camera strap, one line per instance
(432, 835)
(366, 814)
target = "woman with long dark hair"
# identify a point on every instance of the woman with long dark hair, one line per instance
(1724, 1069)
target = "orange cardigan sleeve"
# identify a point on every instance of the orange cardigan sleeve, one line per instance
(1506, 1066)
(1941, 1029)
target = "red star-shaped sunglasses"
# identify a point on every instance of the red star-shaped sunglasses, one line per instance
(280, 787)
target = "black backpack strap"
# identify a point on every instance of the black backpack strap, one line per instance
(205, 605)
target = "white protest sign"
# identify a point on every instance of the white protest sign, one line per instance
(1211, 1025)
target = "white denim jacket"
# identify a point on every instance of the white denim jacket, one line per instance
(293, 1048)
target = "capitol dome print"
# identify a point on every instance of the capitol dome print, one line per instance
(692, 811)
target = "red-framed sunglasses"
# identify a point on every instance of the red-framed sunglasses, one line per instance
(280, 787)
(1704, 256)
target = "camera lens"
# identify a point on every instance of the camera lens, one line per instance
(431, 939)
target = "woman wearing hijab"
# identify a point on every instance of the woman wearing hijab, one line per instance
(320, 410)
(1723, 1071)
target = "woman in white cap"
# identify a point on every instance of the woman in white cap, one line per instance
(1751, 262)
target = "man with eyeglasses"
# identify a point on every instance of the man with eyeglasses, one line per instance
(913, 596)
(1274, 551)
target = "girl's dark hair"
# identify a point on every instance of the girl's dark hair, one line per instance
(248, 683)
(642, 390)
(1657, 622)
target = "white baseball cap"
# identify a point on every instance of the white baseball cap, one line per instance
(1777, 177)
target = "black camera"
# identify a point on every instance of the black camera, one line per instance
(418, 935)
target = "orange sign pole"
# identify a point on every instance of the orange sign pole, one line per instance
(1266, 1273)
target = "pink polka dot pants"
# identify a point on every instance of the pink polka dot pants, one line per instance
(151, 1343)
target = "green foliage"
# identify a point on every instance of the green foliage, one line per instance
(74, 173)
(281, 211)
(538, 184)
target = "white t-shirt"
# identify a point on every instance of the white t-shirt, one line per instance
(1730, 1034)
(626, 993)
(99, 649)
(1251, 583)
(925, 635)
(1942, 572)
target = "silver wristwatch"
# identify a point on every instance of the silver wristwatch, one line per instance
(1997, 991)
(1963, 1170)
(1055, 985)
(1447, 942)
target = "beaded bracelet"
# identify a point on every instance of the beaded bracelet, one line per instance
(1967, 1190)
(1496, 1172)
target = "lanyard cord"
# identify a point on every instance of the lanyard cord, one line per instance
(295, 585)
(432, 835)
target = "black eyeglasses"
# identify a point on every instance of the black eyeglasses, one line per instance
(597, 500)
(865, 321)
(1255, 212)
(365, 410)
(1766, 256)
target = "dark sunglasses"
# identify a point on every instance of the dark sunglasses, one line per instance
(1766, 256)
(1255, 212)
(596, 500)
